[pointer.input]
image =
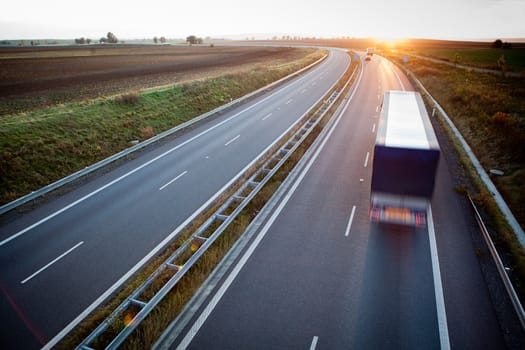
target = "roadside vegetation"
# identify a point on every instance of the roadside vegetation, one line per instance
(149, 330)
(41, 146)
(513, 59)
(489, 111)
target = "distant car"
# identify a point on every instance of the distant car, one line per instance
(368, 58)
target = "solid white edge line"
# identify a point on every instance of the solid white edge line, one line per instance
(366, 159)
(174, 179)
(231, 277)
(313, 346)
(438, 287)
(235, 138)
(349, 225)
(78, 201)
(162, 244)
(52, 262)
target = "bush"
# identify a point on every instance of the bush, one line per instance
(146, 133)
(130, 98)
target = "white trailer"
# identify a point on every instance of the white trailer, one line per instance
(406, 157)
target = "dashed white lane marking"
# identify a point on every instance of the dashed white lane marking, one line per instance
(349, 225)
(374, 128)
(289, 101)
(366, 159)
(313, 346)
(174, 179)
(235, 138)
(267, 116)
(52, 262)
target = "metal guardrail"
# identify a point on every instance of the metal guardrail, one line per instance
(181, 261)
(89, 169)
(502, 205)
(501, 268)
(499, 200)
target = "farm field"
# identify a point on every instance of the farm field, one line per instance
(37, 77)
(60, 114)
(482, 58)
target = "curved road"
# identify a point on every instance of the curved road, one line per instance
(318, 275)
(58, 261)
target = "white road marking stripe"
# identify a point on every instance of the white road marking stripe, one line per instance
(289, 101)
(349, 225)
(52, 262)
(374, 127)
(175, 179)
(267, 116)
(303, 91)
(438, 288)
(235, 138)
(366, 159)
(313, 346)
(229, 280)
(377, 109)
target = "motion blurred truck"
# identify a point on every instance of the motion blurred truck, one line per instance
(369, 53)
(405, 161)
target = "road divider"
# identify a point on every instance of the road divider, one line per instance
(113, 331)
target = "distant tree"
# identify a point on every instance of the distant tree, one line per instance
(497, 44)
(192, 39)
(103, 40)
(155, 39)
(88, 41)
(162, 39)
(112, 38)
(507, 45)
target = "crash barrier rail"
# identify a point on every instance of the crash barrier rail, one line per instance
(124, 153)
(502, 205)
(499, 200)
(501, 268)
(181, 261)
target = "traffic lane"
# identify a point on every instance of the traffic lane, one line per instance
(473, 323)
(121, 241)
(396, 303)
(175, 163)
(332, 68)
(207, 151)
(305, 266)
(94, 269)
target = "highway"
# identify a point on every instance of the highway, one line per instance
(317, 274)
(59, 260)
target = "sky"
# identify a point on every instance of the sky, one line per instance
(383, 19)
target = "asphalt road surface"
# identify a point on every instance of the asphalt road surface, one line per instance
(319, 275)
(59, 260)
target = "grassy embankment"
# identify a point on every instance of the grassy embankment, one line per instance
(168, 309)
(40, 147)
(482, 58)
(489, 111)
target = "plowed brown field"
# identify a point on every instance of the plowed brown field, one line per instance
(36, 77)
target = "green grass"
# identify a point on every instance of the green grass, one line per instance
(40, 147)
(484, 58)
(489, 111)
